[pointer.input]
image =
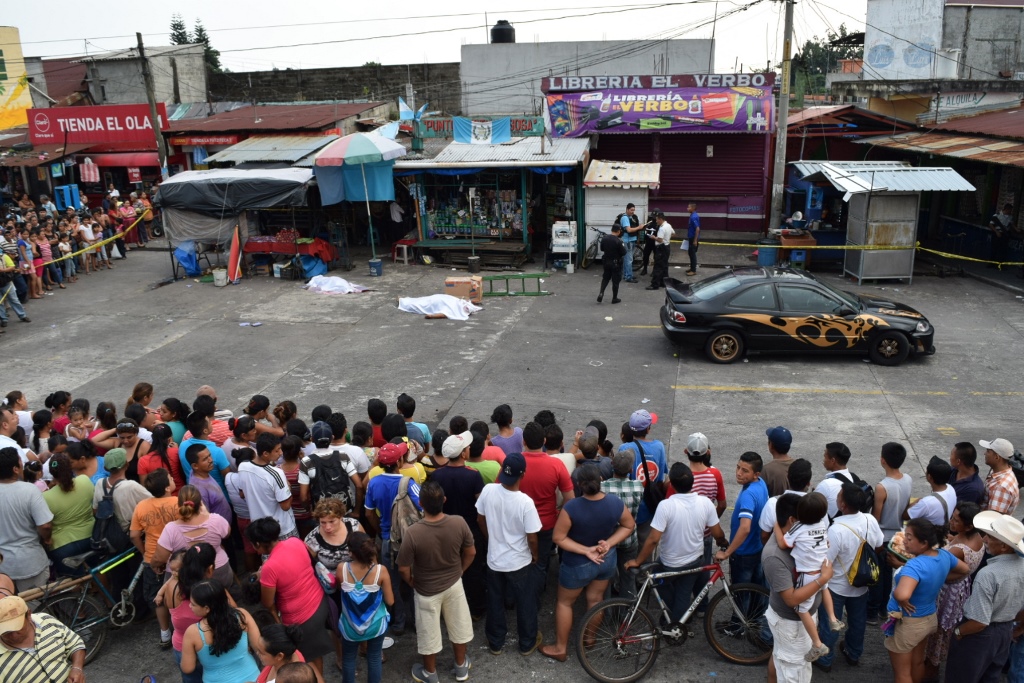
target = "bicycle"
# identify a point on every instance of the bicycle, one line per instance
(69, 601)
(619, 640)
(590, 255)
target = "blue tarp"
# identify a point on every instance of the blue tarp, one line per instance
(185, 253)
(345, 183)
(312, 266)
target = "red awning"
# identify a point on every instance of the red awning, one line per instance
(125, 159)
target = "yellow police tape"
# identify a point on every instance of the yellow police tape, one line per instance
(73, 254)
(861, 247)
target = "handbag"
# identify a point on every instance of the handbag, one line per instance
(653, 495)
(865, 568)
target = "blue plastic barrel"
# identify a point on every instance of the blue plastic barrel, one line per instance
(376, 267)
(768, 253)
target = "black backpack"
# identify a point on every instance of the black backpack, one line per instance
(869, 503)
(107, 535)
(331, 480)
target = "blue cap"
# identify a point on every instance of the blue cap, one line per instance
(779, 437)
(513, 469)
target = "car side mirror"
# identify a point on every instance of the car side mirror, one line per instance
(846, 310)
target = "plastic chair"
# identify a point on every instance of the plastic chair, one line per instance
(404, 246)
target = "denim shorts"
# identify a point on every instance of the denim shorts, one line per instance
(580, 576)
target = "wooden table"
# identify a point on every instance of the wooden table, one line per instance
(789, 243)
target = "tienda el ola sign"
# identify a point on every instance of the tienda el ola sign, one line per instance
(83, 125)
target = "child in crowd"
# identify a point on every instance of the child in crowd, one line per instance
(64, 249)
(80, 426)
(33, 474)
(808, 540)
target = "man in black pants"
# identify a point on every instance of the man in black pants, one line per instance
(650, 231)
(613, 250)
(662, 240)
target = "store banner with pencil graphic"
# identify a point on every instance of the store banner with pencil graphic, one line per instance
(700, 103)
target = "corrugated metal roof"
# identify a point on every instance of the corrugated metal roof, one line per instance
(853, 177)
(1008, 123)
(518, 152)
(274, 117)
(287, 148)
(988, 150)
(815, 112)
(622, 174)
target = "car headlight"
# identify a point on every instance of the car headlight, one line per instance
(923, 326)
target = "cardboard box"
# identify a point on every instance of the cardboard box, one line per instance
(262, 269)
(468, 287)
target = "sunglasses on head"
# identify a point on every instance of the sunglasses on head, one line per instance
(127, 427)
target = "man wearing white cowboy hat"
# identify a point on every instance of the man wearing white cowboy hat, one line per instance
(981, 643)
(1001, 490)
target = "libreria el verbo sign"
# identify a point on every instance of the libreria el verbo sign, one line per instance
(84, 125)
(581, 105)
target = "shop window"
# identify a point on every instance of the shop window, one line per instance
(806, 300)
(760, 297)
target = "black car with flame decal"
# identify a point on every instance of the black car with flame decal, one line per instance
(778, 309)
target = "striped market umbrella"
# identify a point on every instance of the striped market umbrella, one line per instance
(358, 149)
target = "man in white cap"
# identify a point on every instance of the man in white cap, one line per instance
(981, 643)
(1001, 490)
(36, 648)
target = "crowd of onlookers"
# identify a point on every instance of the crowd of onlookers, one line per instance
(43, 249)
(268, 541)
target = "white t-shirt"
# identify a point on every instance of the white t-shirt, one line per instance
(830, 487)
(568, 459)
(843, 542)
(229, 448)
(25, 421)
(682, 519)
(768, 516)
(8, 442)
(146, 435)
(511, 515)
(931, 509)
(265, 489)
(354, 453)
(810, 545)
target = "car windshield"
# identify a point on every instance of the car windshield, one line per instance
(846, 297)
(712, 287)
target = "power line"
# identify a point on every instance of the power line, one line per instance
(390, 19)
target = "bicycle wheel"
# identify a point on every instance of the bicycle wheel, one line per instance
(617, 643)
(589, 256)
(86, 618)
(738, 633)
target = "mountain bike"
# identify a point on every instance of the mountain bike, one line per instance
(70, 603)
(619, 640)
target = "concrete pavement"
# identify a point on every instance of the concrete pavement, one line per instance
(563, 352)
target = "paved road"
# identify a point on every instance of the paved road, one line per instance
(563, 352)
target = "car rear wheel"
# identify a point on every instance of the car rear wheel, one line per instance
(889, 348)
(724, 346)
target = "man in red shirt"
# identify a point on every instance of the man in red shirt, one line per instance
(544, 477)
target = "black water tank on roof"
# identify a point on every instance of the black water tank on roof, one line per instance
(503, 32)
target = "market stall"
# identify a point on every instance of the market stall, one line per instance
(883, 201)
(277, 205)
(493, 200)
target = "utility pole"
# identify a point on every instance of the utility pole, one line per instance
(154, 118)
(781, 124)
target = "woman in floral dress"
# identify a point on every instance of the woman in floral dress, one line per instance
(964, 542)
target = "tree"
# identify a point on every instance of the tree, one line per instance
(817, 57)
(210, 56)
(179, 32)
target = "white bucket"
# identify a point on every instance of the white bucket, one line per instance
(220, 277)
(569, 269)
(278, 267)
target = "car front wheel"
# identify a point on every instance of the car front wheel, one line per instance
(889, 348)
(724, 346)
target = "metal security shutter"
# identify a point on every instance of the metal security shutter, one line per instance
(638, 147)
(736, 166)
